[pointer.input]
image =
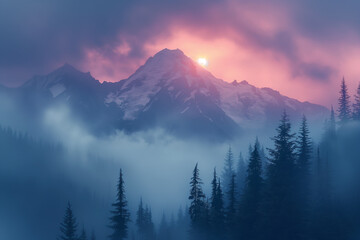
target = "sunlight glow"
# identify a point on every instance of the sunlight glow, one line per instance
(202, 61)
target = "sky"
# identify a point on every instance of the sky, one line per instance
(301, 48)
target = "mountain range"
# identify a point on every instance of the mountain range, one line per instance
(170, 91)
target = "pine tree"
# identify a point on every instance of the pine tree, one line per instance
(332, 123)
(217, 209)
(164, 229)
(182, 225)
(279, 211)
(262, 156)
(344, 104)
(68, 227)
(198, 208)
(93, 235)
(149, 229)
(250, 202)
(140, 219)
(120, 215)
(240, 173)
(214, 190)
(356, 105)
(228, 170)
(144, 223)
(83, 234)
(231, 209)
(304, 150)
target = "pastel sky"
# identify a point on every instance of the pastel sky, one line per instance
(301, 48)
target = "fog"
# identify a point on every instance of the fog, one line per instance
(157, 168)
(67, 162)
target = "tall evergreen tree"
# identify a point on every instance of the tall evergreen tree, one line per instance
(356, 105)
(279, 208)
(197, 209)
(140, 219)
(120, 215)
(228, 170)
(250, 202)
(332, 123)
(144, 223)
(304, 150)
(83, 234)
(182, 225)
(344, 104)
(164, 229)
(217, 219)
(262, 154)
(93, 237)
(150, 229)
(240, 173)
(231, 209)
(68, 227)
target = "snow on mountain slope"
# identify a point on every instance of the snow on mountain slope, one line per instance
(170, 91)
(171, 70)
(162, 71)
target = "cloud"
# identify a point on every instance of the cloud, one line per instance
(111, 39)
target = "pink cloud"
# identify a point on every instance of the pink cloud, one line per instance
(252, 42)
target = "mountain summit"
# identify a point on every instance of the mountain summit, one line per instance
(170, 91)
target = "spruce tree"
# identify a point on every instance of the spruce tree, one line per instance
(93, 235)
(182, 225)
(231, 209)
(240, 173)
(250, 202)
(228, 170)
(198, 206)
(356, 105)
(280, 216)
(149, 225)
(68, 227)
(331, 130)
(141, 219)
(144, 223)
(214, 190)
(83, 234)
(164, 229)
(120, 215)
(304, 150)
(344, 104)
(217, 219)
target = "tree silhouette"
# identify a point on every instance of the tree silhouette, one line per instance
(120, 215)
(83, 234)
(344, 104)
(228, 170)
(231, 209)
(304, 150)
(250, 202)
(241, 173)
(217, 218)
(198, 206)
(144, 222)
(280, 214)
(356, 105)
(68, 227)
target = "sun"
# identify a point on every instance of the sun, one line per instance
(202, 61)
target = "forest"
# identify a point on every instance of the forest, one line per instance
(295, 189)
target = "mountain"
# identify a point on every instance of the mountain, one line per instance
(169, 91)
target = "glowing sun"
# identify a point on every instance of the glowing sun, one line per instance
(202, 61)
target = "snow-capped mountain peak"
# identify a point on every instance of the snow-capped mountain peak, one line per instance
(174, 92)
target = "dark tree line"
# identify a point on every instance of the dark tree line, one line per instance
(299, 191)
